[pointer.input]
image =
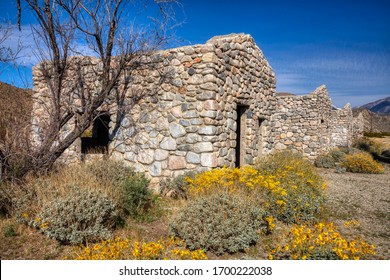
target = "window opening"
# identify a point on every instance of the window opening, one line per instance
(95, 139)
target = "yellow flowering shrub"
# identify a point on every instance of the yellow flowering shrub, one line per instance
(112, 249)
(270, 224)
(284, 183)
(362, 163)
(322, 241)
(231, 180)
(122, 249)
(148, 250)
(298, 195)
(219, 179)
(290, 168)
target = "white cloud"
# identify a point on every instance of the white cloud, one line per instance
(290, 82)
(354, 75)
(33, 46)
(25, 40)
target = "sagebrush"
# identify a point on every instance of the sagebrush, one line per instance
(81, 216)
(325, 161)
(219, 223)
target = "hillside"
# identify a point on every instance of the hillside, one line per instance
(15, 108)
(15, 111)
(381, 106)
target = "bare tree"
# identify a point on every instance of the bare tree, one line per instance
(104, 28)
(8, 55)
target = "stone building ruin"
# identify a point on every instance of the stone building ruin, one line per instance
(218, 108)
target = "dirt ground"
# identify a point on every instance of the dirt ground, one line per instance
(364, 198)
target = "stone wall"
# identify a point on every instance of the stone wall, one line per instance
(198, 107)
(193, 123)
(189, 121)
(43, 107)
(342, 127)
(301, 123)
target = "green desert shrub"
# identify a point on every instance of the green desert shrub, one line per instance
(9, 230)
(219, 223)
(83, 215)
(367, 145)
(361, 163)
(137, 199)
(363, 144)
(126, 189)
(376, 134)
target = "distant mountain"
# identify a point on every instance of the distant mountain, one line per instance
(381, 106)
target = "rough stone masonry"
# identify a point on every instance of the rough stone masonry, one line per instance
(217, 108)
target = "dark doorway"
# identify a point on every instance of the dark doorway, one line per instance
(95, 140)
(260, 133)
(242, 112)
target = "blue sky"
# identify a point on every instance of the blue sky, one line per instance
(342, 44)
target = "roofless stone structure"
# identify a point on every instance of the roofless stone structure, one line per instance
(216, 106)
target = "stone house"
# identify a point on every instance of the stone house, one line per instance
(218, 108)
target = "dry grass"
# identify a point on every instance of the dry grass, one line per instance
(58, 183)
(37, 192)
(383, 142)
(28, 244)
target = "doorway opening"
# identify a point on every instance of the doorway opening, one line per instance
(260, 134)
(242, 115)
(95, 139)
